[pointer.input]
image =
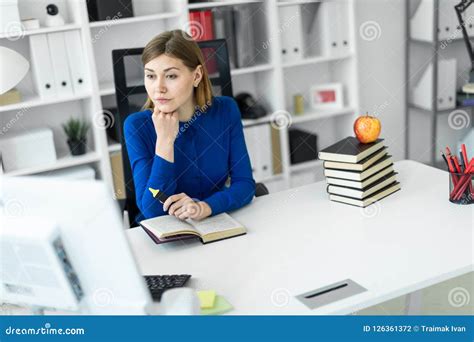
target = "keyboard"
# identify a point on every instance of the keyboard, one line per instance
(157, 284)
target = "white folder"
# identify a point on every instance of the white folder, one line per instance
(468, 16)
(422, 21)
(57, 51)
(41, 66)
(291, 33)
(447, 84)
(422, 92)
(342, 15)
(77, 60)
(327, 13)
(453, 18)
(265, 150)
(251, 141)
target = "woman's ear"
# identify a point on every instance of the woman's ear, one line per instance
(197, 75)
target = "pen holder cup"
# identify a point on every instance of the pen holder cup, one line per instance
(461, 188)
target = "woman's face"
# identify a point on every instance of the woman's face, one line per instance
(169, 83)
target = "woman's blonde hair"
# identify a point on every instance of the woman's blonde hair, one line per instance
(179, 44)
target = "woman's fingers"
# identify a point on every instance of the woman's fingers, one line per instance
(173, 198)
(176, 205)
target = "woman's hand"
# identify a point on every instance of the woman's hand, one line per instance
(183, 207)
(166, 128)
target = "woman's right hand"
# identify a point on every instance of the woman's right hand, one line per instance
(166, 128)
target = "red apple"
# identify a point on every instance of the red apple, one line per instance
(367, 128)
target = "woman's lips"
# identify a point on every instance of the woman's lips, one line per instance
(162, 101)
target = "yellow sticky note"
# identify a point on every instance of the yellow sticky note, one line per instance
(221, 306)
(207, 298)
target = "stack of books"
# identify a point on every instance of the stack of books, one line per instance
(358, 174)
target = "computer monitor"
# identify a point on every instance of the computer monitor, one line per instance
(42, 217)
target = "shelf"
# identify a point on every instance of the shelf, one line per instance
(140, 19)
(251, 122)
(114, 147)
(249, 70)
(314, 60)
(306, 165)
(61, 163)
(34, 100)
(271, 178)
(297, 2)
(439, 111)
(25, 33)
(321, 114)
(108, 88)
(210, 4)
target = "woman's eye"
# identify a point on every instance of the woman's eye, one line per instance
(149, 76)
(172, 77)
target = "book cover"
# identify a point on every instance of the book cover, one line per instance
(349, 150)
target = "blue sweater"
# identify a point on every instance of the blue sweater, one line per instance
(209, 148)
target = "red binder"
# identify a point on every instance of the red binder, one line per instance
(202, 28)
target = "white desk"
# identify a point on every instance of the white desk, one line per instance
(299, 241)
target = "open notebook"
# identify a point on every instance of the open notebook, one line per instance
(168, 228)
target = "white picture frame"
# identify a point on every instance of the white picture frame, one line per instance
(327, 96)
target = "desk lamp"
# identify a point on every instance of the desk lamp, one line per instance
(13, 67)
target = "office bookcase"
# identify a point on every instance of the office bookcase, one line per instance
(272, 81)
(433, 37)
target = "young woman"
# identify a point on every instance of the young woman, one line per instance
(186, 142)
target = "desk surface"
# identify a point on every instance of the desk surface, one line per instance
(299, 241)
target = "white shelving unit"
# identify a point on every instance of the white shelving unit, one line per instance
(271, 81)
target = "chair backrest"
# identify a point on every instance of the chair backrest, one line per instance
(218, 66)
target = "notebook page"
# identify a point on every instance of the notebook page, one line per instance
(166, 224)
(215, 224)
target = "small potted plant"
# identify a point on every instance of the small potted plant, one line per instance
(76, 131)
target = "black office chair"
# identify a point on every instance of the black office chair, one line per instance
(218, 66)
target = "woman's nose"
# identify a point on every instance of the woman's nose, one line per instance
(160, 86)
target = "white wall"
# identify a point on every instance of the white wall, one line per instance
(380, 26)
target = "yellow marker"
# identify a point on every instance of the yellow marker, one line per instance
(154, 192)
(159, 195)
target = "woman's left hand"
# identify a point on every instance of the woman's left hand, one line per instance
(183, 207)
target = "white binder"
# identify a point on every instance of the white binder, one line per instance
(251, 141)
(265, 150)
(291, 33)
(342, 22)
(77, 60)
(57, 51)
(328, 26)
(422, 92)
(41, 66)
(422, 21)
